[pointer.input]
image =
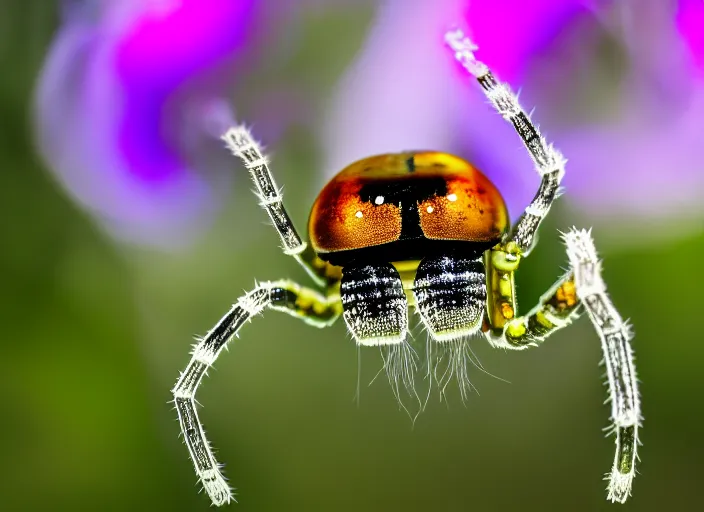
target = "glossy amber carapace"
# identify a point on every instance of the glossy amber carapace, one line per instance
(387, 198)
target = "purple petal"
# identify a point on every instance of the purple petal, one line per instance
(397, 94)
(644, 163)
(112, 86)
(405, 92)
(511, 32)
(690, 22)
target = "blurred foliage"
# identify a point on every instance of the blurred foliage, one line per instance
(95, 334)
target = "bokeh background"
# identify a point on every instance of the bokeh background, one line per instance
(126, 229)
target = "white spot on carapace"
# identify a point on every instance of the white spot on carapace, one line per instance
(379, 200)
(452, 197)
(359, 215)
(430, 209)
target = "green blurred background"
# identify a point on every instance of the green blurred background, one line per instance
(94, 335)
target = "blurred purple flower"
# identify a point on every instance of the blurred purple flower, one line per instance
(131, 97)
(645, 161)
(690, 23)
(641, 159)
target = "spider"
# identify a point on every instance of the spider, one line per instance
(425, 230)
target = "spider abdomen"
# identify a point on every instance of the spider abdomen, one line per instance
(406, 206)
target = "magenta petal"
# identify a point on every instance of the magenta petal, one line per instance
(108, 95)
(510, 32)
(164, 48)
(644, 162)
(690, 22)
(638, 168)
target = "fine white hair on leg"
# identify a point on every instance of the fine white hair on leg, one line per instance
(464, 50)
(548, 161)
(615, 337)
(203, 356)
(243, 145)
(285, 296)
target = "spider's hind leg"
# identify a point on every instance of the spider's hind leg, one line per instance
(583, 285)
(616, 336)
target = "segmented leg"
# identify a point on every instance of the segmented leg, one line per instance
(583, 285)
(549, 162)
(615, 337)
(555, 309)
(246, 148)
(280, 295)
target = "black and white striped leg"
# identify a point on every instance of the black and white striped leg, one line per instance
(615, 337)
(549, 162)
(584, 285)
(280, 295)
(245, 147)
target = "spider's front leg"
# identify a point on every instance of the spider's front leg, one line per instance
(282, 295)
(549, 162)
(243, 145)
(584, 285)
(504, 259)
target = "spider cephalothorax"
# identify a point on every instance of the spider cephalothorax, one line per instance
(428, 231)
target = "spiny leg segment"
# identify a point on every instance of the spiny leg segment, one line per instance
(503, 260)
(284, 296)
(556, 309)
(245, 147)
(548, 161)
(615, 337)
(583, 285)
